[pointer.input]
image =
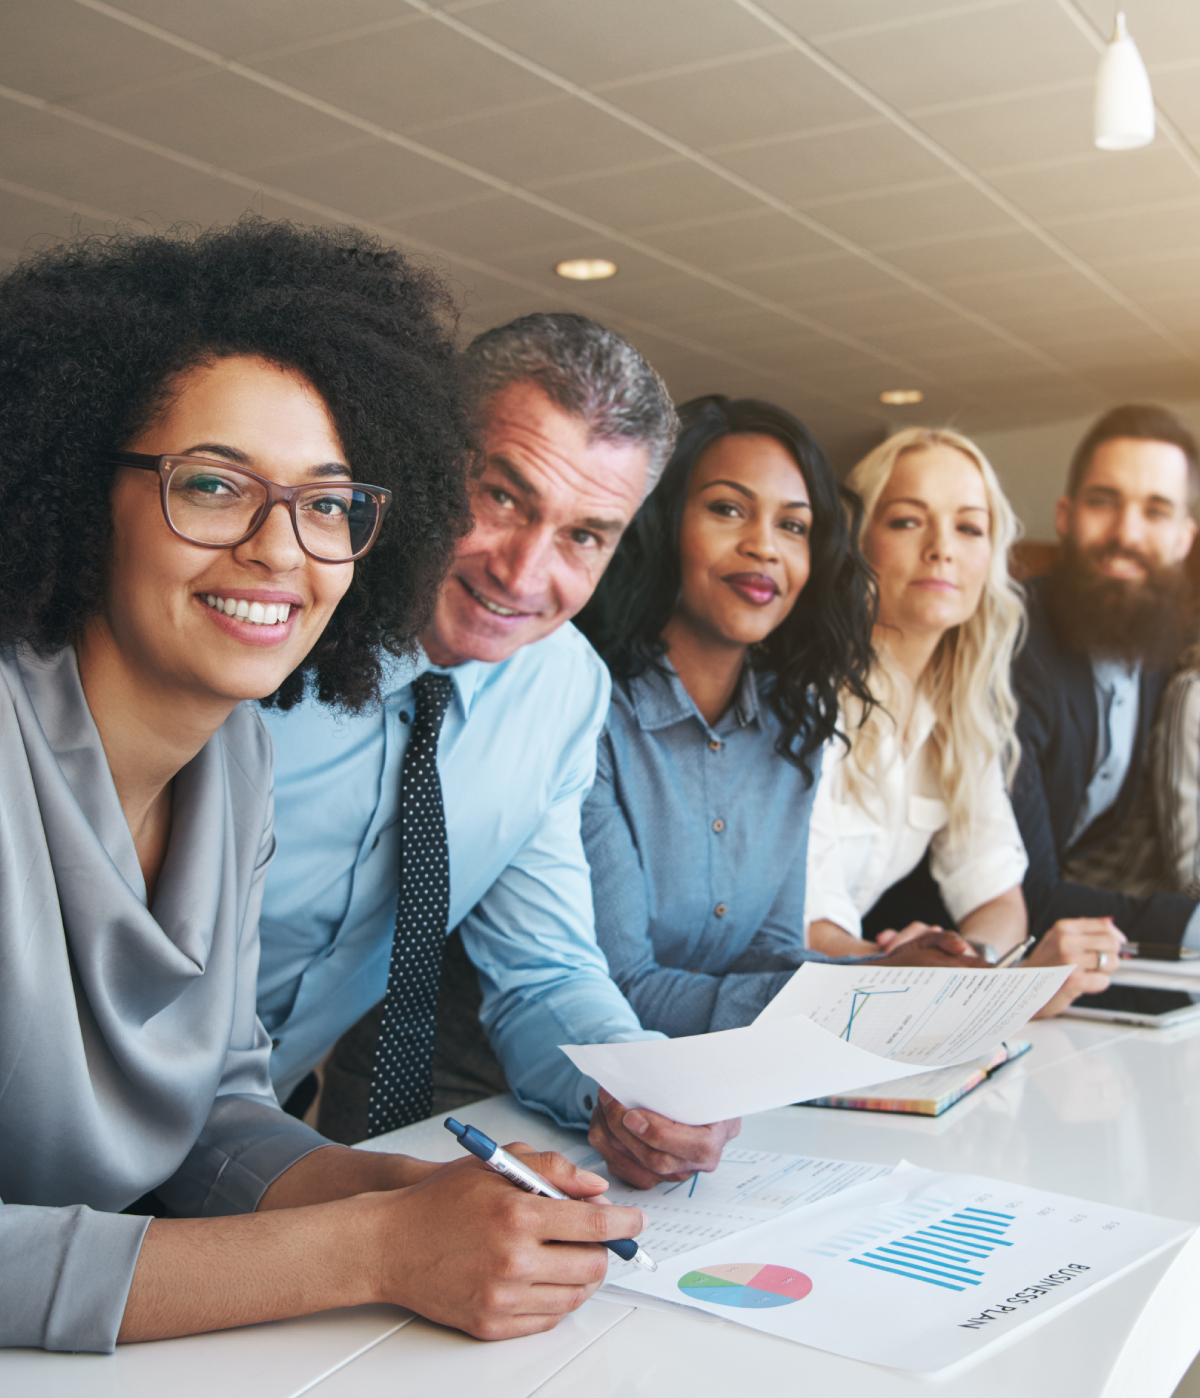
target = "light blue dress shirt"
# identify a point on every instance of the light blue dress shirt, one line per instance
(697, 835)
(516, 757)
(1117, 686)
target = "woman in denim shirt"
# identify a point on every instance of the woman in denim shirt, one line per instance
(736, 609)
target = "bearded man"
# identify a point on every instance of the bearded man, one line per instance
(1104, 628)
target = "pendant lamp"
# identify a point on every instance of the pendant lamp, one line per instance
(1124, 102)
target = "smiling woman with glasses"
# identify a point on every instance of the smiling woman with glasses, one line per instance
(183, 427)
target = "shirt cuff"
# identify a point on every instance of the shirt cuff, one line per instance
(840, 911)
(66, 1276)
(972, 885)
(245, 1146)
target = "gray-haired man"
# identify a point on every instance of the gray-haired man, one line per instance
(576, 430)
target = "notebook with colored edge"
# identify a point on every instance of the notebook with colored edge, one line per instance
(928, 1094)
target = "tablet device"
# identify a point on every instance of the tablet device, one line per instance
(1135, 1004)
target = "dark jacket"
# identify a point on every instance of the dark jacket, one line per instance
(1057, 729)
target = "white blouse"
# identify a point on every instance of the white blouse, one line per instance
(856, 854)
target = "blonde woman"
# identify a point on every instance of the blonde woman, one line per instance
(930, 765)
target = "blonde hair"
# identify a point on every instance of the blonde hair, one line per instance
(968, 678)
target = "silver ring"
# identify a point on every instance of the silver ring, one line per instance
(1102, 961)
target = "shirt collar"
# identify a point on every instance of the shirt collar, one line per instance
(399, 673)
(659, 700)
(1110, 675)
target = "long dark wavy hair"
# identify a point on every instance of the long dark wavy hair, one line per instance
(93, 337)
(821, 648)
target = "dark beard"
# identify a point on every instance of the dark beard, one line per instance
(1144, 622)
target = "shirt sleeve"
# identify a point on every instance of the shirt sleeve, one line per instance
(826, 896)
(671, 999)
(1175, 772)
(987, 859)
(247, 1141)
(532, 939)
(65, 1275)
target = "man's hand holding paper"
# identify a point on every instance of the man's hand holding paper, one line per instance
(644, 1148)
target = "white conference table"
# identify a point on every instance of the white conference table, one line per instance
(1102, 1111)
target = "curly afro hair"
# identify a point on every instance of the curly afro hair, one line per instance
(93, 335)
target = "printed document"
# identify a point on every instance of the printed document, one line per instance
(747, 1187)
(856, 1025)
(917, 1014)
(915, 1270)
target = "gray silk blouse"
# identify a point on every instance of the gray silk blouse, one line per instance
(131, 1058)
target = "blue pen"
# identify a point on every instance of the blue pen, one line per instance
(529, 1180)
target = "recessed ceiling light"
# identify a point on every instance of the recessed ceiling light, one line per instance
(587, 269)
(896, 396)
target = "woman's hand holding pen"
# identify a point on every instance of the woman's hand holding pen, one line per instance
(1091, 944)
(466, 1249)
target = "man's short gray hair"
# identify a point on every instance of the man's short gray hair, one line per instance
(589, 371)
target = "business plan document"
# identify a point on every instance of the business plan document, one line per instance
(830, 1029)
(746, 1188)
(915, 1270)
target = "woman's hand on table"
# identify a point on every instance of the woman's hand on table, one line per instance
(932, 948)
(890, 940)
(644, 1148)
(1091, 944)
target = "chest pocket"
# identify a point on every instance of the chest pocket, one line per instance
(926, 813)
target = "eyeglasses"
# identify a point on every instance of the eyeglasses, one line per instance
(218, 506)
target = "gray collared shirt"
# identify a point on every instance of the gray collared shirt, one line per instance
(697, 836)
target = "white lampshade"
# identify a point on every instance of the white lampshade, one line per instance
(1124, 102)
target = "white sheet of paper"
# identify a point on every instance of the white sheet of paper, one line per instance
(747, 1187)
(917, 1014)
(788, 1057)
(916, 1270)
(711, 1077)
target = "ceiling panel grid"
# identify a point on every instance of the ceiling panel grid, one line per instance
(811, 200)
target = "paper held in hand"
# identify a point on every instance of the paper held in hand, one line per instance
(830, 1029)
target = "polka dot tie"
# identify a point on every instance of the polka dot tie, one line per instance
(401, 1083)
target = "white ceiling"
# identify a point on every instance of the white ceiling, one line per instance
(809, 200)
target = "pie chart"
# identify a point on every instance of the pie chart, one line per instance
(749, 1285)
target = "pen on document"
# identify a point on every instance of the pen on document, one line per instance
(1158, 951)
(485, 1149)
(1010, 958)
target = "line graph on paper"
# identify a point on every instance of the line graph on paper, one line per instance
(860, 999)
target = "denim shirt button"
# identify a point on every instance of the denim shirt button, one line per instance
(714, 745)
(720, 910)
(718, 825)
